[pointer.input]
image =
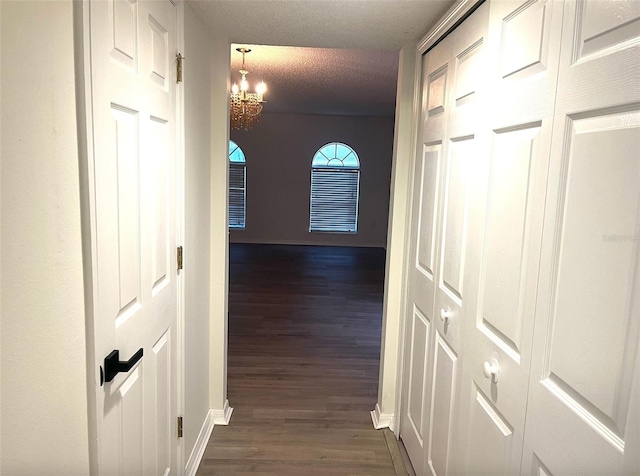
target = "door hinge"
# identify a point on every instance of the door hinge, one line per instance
(179, 257)
(179, 427)
(179, 59)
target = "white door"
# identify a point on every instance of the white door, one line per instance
(446, 158)
(583, 414)
(423, 263)
(523, 47)
(132, 170)
(464, 158)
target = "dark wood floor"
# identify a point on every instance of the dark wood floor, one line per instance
(304, 349)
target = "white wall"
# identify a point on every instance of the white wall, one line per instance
(220, 64)
(403, 152)
(197, 90)
(0, 241)
(44, 383)
(279, 152)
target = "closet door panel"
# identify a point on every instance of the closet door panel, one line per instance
(419, 351)
(521, 57)
(491, 454)
(586, 362)
(463, 169)
(524, 49)
(442, 406)
(584, 400)
(448, 150)
(455, 214)
(436, 90)
(426, 253)
(506, 258)
(593, 281)
(524, 46)
(423, 261)
(502, 321)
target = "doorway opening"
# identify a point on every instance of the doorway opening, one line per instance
(305, 301)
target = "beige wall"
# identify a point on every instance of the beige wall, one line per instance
(279, 152)
(43, 378)
(197, 90)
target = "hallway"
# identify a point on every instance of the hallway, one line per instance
(304, 345)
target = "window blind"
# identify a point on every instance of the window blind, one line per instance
(334, 200)
(237, 195)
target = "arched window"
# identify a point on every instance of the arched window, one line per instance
(237, 186)
(335, 181)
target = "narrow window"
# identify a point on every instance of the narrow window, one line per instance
(335, 182)
(237, 186)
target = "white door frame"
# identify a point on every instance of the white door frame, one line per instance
(82, 60)
(180, 236)
(392, 364)
(82, 53)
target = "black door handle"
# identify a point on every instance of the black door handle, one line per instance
(113, 365)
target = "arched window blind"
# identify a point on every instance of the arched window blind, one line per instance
(335, 183)
(237, 186)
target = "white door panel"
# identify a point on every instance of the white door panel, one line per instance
(419, 352)
(430, 166)
(464, 165)
(456, 205)
(525, 41)
(423, 263)
(124, 404)
(161, 420)
(522, 57)
(584, 402)
(501, 316)
(442, 193)
(589, 318)
(133, 208)
(426, 197)
(507, 257)
(464, 157)
(442, 406)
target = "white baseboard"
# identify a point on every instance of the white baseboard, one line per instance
(253, 241)
(201, 444)
(381, 420)
(222, 417)
(214, 417)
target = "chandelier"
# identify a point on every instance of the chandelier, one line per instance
(245, 107)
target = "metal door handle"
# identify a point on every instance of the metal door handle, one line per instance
(113, 365)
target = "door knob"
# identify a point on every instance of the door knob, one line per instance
(113, 365)
(491, 370)
(445, 315)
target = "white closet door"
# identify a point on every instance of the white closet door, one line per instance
(522, 58)
(583, 413)
(449, 152)
(423, 263)
(464, 159)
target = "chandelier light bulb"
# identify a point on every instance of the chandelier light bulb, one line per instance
(244, 85)
(261, 89)
(235, 89)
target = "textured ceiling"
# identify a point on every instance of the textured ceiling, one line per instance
(357, 24)
(326, 56)
(322, 80)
